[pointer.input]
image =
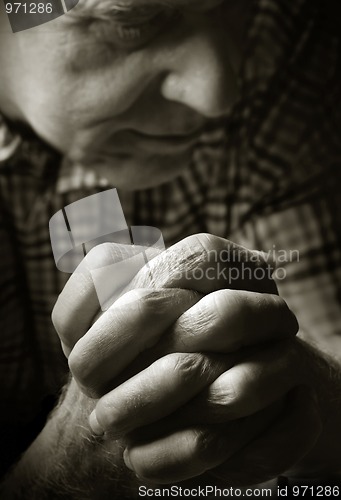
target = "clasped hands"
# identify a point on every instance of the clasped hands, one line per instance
(194, 376)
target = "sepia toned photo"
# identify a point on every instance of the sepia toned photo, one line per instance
(170, 249)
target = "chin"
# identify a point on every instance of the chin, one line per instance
(132, 173)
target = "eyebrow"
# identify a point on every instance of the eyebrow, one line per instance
(106, 9)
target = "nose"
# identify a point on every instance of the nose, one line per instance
(202, 76)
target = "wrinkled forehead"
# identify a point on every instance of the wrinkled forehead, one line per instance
(88, 6)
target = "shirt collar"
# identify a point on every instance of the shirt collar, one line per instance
(9, 141)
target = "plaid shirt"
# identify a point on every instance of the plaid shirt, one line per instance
(269, 179)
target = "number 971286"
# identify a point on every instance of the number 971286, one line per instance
(315, 491)
(26, 15)
(28, 8)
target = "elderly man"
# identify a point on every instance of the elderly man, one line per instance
(214, 119)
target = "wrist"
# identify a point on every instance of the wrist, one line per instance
(324, 377)
(66, 460)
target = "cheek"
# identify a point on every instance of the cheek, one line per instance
(102, 80)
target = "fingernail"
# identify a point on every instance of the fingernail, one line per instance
(95, 425)
(127, 460)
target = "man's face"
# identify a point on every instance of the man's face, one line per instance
(127, 86)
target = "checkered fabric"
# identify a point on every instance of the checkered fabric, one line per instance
(269, 179)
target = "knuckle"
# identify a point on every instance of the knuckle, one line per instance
(222, 399)
(153, 303)
(204, 444)
(204, 243)
(227, 402)
(190, 366)
(140, 298)
(207, 240)
(188, 254)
